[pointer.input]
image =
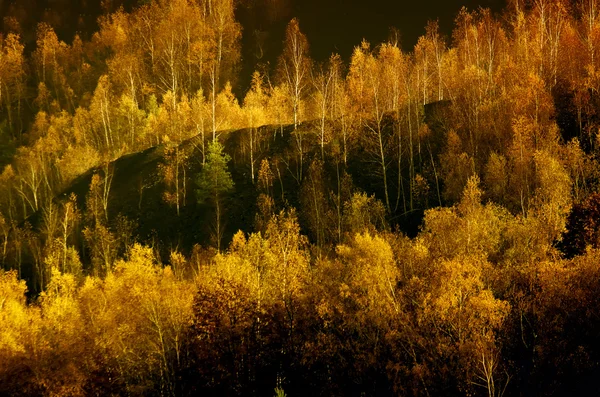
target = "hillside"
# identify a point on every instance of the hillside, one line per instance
(137, 187)
(177, 219)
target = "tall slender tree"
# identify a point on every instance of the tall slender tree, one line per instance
(214, 183)
(294, 72)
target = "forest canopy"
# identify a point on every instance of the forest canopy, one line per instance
(419, 222)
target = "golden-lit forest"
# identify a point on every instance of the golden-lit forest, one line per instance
(421, 222)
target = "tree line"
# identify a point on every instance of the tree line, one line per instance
(479, 303)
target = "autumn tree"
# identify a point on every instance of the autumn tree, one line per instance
(102, 113)
(173, 122)
(134, 294)
(397, 98)
(126, 67)
(365, 80)
(265, 201)
(224, 52)
(98, 237)
(226, 112)
(340, 105)
(364, 213)
(294, 71)
(463, 320)
(97, 199)
(553, 195)
(289, 270)
(12, 80)
(226, 36)
(248, 309)
(60, 233)
(20, 329)
(313, 199)
(456, 167)
(279, 107)
(47, 56)
(255, 107)
(200, 116)
(468, 228)
(323, 80)
(173, 172)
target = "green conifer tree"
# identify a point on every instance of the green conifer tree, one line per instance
(214, 183)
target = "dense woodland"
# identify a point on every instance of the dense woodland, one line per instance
(399, 223)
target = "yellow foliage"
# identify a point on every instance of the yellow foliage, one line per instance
(470, 228)
(13, 315)
(553, 196)
(374, 274)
